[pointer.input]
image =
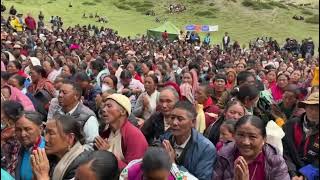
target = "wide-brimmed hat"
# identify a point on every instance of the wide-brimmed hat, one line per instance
(312, 99)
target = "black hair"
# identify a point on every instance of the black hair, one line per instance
(12, 109)
(253, 120)
(154, 159)
(97, 65)
(125, 74)
(246, 91)
(72, 69)
(148, 64)
(187, 106)
(114, 79)
(242, 77)
(206, 87)
(75, 86)
(293, 88)
(34, 117)
(115, 64)
(81, 76)
(233, 102)
(230, 123)
(220, 76)
(154, 78)
(40, 70)
(104, 164)
(5, 75)
(17, 64)
(69, 124)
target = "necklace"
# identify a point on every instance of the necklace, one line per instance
(254, 172)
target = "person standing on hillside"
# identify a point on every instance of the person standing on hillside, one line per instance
(225, 40)
(165, 36)
(30, 23)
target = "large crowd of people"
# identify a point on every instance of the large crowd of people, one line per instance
(82, 104)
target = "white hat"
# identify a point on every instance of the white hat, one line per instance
(35, 61)
(122, 100)
(59, 40)
(42, 37)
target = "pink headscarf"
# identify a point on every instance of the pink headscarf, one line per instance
(17, 95)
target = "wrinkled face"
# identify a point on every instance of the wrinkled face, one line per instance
(282, 81)
(160, 174)
(187, 78)
(271, 76)
(84, 172)
(219, 85)
(201, 95)
(167, 100)
(11, 68)
(27, 132)
(249, 140)
(67, 95)
(234, 112)
(56, 141)
(149, 85)
(312, 112)
(289, 99)
(295, 76)
(111, 112)
(225, 134)
(181, 122)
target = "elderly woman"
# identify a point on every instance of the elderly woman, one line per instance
(250, 157)
(118, 135)
(147, 101)
(64, 148)
(40, 82)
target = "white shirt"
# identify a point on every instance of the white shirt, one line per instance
(180, 148)
(53, 75)
(225, 39)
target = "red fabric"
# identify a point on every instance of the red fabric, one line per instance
(298, 135)
(35, 146)
(30, 22)
(174, 85)
(272, 84)
(133, 143)
(210, 107)
(21, 73)
(165, 36)
(24, 52)
(277, 93)
(256, 167)
(137, 77)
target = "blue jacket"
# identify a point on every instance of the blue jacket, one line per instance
(199, 155)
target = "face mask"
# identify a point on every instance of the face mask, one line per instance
(174, 67)
(205, 69)
(105, 87)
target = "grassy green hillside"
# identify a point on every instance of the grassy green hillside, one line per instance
(126, 16)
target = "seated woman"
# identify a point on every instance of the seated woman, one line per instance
(100, 165)
(14, 94)
(40, 82)
(250, 157)
(156, 164)
(64, 148)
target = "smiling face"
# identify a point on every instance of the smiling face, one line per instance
(249, 140)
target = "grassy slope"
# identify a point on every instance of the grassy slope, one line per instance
(243, 24)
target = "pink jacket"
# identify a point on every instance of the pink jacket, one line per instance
(17, 95)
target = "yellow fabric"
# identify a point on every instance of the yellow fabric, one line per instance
(16, 25)
(201, 119)
(315, 80)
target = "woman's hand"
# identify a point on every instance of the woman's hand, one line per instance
(241, 170)
(101, 143)
(40, 164)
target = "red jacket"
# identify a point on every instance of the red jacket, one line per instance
(133, 143)
(30, 22)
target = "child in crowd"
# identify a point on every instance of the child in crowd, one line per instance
(226, 133)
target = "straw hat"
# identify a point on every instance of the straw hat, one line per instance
(312, 99)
